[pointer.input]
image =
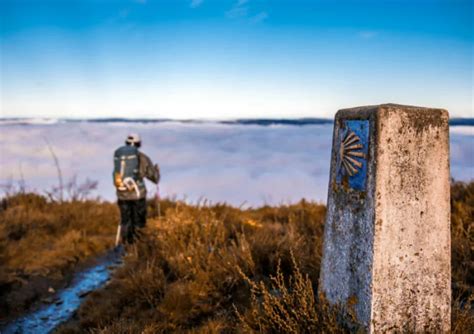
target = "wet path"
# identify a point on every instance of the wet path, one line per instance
(48, 317)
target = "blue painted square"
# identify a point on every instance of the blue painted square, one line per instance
(352, 149)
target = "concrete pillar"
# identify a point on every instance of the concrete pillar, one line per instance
(387, 247)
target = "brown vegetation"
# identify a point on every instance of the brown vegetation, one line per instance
(219, 269)
(42, 241)
(462, 256)
(192, 268)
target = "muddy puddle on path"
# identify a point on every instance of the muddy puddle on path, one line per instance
(65, 302)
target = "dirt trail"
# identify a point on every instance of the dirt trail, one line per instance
(47, 317)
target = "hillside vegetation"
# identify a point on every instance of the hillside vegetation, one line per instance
(43, 241)
(219, 269)
(206, 269)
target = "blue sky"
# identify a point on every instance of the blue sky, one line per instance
(232, 58)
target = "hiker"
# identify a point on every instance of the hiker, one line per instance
(130, 168)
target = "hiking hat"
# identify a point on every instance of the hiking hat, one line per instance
(133, 139)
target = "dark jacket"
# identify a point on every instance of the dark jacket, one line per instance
(146, 170)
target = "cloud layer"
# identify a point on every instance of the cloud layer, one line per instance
(232, 163)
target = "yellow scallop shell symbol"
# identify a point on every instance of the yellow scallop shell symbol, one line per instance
(350, 149)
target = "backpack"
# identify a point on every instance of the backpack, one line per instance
(126, 166)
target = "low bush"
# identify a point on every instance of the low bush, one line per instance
(203, 269)
(223, 270)
(42, 241)
(462, 256)
(192, 268)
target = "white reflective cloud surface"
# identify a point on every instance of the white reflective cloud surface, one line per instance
(236, 164)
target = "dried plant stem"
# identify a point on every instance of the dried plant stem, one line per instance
(22, 180)
(58, 168)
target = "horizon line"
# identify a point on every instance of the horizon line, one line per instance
(266, 121)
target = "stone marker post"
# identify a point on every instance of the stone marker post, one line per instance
(387, 247)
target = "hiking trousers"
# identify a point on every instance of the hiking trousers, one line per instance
(133, 218)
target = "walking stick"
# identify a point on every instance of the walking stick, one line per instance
(158, 200)
(119, 231)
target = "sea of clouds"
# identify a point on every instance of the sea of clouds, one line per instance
(238, 164)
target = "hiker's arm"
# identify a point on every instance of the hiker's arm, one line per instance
(156, 168)
(147, 169)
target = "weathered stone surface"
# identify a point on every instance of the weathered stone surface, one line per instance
(386, 249)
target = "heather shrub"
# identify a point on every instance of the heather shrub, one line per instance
(462, 258)
(287, 305)
(193, 265)
(203, 269)
(42, 241)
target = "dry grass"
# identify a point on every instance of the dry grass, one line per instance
(191, 271)
(220, 269)
(223, 270)
(41, 242)
(287, 305)
(462, 256)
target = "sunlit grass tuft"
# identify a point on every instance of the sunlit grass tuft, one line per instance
(201, 269)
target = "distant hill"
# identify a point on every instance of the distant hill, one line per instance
(461, 121)
(280, 121)
(249, 121)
